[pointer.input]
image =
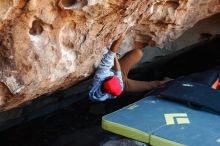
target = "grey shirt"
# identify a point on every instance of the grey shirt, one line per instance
(103, 72)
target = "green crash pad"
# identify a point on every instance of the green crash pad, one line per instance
(164, 123)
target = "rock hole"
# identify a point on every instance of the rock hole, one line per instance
(172, 3)
(74, 4)
(36, 28)
(68, 3)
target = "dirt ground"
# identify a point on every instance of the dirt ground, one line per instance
(76, 125)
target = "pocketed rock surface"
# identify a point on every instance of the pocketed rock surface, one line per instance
(53, 44)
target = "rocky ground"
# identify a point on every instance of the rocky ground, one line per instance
(79, 124)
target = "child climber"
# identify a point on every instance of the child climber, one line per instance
(111, 79)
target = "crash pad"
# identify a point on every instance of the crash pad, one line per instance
(162, 122)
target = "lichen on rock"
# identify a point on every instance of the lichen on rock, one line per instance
(48, 45)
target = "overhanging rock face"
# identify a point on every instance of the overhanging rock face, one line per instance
(46, 45)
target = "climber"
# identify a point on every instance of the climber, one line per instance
(111, 80)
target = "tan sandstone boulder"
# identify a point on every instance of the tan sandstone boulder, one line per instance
(47, 45)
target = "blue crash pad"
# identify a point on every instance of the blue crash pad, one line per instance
(164, 123)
